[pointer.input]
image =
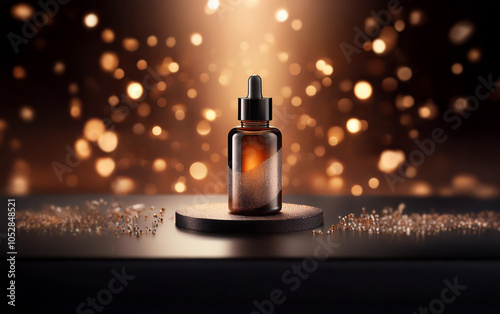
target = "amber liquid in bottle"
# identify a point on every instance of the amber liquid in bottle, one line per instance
(254, 156)
(254, 161)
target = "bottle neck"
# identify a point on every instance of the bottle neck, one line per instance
(255, 123)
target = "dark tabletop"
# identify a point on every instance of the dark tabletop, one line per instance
(171, 242)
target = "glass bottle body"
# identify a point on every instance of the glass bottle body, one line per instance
(254, 169)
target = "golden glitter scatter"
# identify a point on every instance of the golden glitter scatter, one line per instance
(396, 222)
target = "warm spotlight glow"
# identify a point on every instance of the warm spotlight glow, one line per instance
(180, 187)
(213, 4)
(296, 25)
(335, 168)
(108, 141)
(363, 90)
(198, 170)
(210, 115)
(282, 15)
(196, 39)
(105, 166)
(390, 160)
(356, 190)
(109, 61)
(27, 113)
(82, 148)
(90, 20)
(404, 73)
(134, 90)
(378, 46)
(173, 67)
(94, 128)
(203, 127)
(311, 90)
(22, 11)
(373, 183)
(353, 125)
(156, 130)
(159, 165)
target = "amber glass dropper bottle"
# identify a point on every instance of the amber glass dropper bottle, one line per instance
(254, 156)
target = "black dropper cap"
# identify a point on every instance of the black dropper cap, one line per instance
(254, 106)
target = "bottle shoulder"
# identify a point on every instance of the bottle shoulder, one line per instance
(255, 131)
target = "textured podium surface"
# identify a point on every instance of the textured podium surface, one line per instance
(217, 218)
